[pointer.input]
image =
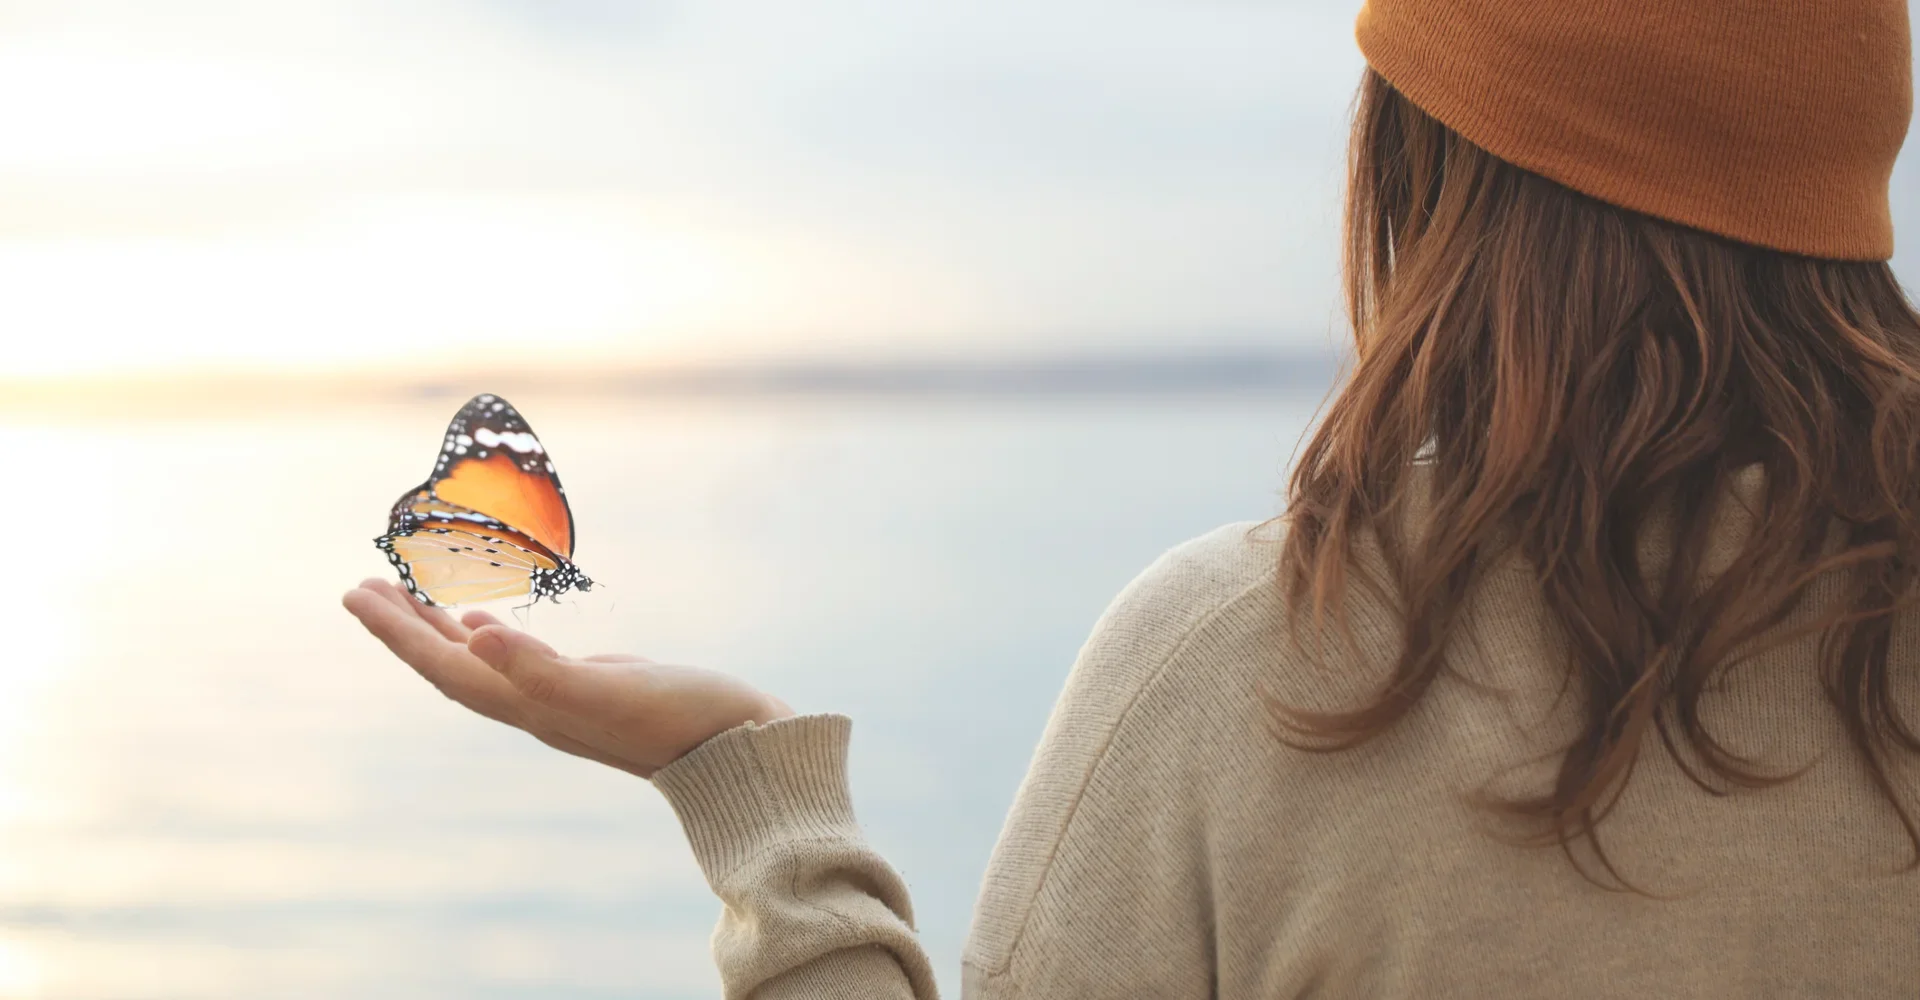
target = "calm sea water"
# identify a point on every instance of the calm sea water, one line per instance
(213, 785)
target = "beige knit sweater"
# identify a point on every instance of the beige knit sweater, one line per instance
(1165, 845)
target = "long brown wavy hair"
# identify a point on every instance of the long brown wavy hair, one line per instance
(1570, 366)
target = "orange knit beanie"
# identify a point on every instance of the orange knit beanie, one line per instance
(1772, 122)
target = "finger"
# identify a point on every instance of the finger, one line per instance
(374, 607)
(617, 658)
(442, 622)
(444, 664)
(375, 585)
(385, 588)
(392, 594)
(376, 589)
(396, 625)
(542, 676)
(479, 619)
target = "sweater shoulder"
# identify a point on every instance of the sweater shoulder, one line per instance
(1145, 631)
(1199, 595)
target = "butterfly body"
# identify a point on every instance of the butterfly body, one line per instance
(492, 520)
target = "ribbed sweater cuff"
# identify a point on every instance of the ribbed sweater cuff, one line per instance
(757, 786)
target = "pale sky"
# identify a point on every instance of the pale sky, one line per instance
(235, 183)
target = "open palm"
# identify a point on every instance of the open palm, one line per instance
(623, 711)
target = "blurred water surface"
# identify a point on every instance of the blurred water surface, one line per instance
(213, 785)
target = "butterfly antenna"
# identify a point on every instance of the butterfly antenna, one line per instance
(613, 603)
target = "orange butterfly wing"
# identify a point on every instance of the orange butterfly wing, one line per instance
(492, 462)
(422, 511)
(491, 522)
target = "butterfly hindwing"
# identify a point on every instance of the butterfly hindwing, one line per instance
(446, 565)
(491, 461)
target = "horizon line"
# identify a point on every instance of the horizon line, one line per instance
(1207, 370)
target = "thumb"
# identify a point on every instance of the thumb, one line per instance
(531, 666)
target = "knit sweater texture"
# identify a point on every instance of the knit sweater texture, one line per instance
(1165, 844)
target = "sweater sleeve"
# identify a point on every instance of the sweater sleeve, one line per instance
(811, 910)
(1087, 882)
(1099, 886)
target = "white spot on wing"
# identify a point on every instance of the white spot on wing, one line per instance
(519, 441)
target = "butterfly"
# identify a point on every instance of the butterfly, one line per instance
(491, 522)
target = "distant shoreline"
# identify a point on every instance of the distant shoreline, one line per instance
(1226, 372)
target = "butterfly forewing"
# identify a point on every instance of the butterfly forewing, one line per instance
(491, 461)
(421, 508)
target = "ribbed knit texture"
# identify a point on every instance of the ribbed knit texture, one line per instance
(796, 765)
(1165, 845)
(808, 904)
(1766, 121)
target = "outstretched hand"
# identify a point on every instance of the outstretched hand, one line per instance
(623, 711)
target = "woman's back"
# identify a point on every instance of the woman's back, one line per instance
(1198, 846)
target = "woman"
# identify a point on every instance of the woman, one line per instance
(1618, 269)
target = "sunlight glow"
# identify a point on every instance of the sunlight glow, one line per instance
(404, 276)
(344, 185)
(37, 654)
(128, 109)
(297, 189)
(19, 972)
